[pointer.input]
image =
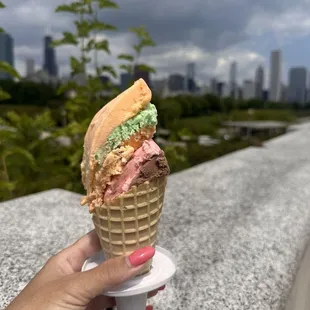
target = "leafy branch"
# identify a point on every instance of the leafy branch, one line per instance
(131, 60)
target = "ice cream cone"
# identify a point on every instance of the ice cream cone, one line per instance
(131, 221)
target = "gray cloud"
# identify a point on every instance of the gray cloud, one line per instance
(212, 26)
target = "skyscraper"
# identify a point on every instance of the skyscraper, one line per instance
(30, 69)
(233, 79)
(190, 77)
(176, 82)
(50, 65)
(297, 87)
(248, 90)
(6, 52)
(275, 76)
(259, 82)
(213, 86)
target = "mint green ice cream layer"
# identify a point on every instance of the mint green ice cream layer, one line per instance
(145, 118)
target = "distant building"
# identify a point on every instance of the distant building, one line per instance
(176, 82)
(297, 87)
(275, 76)
(140, 74)
(126, 80)
(248, 91)
(191, 76)
(50, 64)
(30, 67)
(284, 93)
(6, 52)
(213, 86)
(225, 90)
(259, 82)
(233, 80)
(239, 93)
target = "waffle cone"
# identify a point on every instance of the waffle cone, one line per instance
(131, 221)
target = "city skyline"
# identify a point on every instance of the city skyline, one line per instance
(210, 39)
(297, 89)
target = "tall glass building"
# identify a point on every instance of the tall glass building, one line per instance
(298, 83)
(6, 52)
(50, 65)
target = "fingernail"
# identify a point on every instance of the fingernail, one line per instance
(150, 307)
(162, 288)
(141, 256)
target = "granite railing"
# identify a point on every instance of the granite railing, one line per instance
(238, 227)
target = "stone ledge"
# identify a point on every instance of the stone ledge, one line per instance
(237, 225)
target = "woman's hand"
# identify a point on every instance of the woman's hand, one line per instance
(61, 285)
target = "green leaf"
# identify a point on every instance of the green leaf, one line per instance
(1, 30)
(71, 85)
(102, 46)
(76, 65)
(65, 8)
(100, 26)
(18, 150)
(90, 45)
(137, 48)
(8, 134)
(68, 39)
(146, 68)
(83, 28)
(74, 8)
(126, 57)
(5, 67)
(2, 6)
(13, 117)
(9, 186)
(110, 70)
(139, 31)
(4, 95)
(147, 42)
(109, 27)
(127, 68)
(107, 4)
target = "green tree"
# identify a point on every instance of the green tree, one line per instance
(169, 112)
(52, 156)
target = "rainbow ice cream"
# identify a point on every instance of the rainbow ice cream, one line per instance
(119, 152)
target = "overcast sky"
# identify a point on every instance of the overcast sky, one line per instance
(210, 33)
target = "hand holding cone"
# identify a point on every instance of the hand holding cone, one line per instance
(125, 173)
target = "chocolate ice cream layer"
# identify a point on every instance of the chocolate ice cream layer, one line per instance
(156, 167)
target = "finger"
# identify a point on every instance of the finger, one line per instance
(111, 273)
(78, 252)
(101, 302)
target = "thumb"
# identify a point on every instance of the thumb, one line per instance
(112, 273)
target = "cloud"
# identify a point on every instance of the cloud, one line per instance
(210, 33)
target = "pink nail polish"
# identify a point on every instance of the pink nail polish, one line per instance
(141, 256)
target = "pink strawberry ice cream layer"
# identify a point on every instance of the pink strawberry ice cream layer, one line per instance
(146, 163)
